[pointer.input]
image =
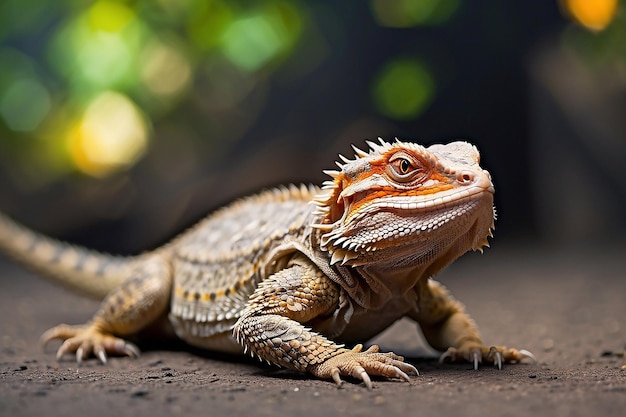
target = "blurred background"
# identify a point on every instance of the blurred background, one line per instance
(122, 122)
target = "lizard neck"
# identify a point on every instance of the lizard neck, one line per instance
(373, 285)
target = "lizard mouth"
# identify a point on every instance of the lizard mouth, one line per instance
(365, 203)
(353, 203)
(404, 224)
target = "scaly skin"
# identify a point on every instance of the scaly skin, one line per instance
(291, 282)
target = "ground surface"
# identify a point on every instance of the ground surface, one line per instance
(568, 307)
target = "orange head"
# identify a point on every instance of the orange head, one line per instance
(402, 204)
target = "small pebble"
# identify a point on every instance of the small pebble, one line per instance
(548, 345)
(139, 393)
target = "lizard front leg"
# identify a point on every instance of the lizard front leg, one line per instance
(271, 328)
(447, 327)
(136, 303)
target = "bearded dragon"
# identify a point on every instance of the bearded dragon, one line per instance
(293, 275)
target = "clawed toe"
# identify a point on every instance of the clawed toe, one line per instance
(85, 341)
(527, 354)
(497, 355)
(101, 354)
(360, 365)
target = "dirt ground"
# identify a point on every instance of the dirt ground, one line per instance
(568, 307)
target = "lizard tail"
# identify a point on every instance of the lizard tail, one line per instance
(89, 272)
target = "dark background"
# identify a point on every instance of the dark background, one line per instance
(539, 86)
(539, 94)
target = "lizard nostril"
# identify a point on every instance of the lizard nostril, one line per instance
(465, 177)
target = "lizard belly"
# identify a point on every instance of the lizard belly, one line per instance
(366, 324)
(207, 336)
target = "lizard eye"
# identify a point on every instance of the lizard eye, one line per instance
(404, 166)
(401, 168)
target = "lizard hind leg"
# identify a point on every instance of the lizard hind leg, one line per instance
(141, 299)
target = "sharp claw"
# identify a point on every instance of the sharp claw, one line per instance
(131, 350)
(412, 369)
(528, 354)
(402, 375)
(63, 349)
(101, 354)
(366, 379)
(498, 360)
(79, 355)
(444, 356)
(476, 359)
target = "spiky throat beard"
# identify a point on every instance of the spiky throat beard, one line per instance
(401, 235)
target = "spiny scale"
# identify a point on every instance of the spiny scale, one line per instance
(217, 265)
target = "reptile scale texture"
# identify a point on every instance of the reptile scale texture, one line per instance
(298, 275)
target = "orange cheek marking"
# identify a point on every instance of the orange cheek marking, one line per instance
(388, 192)
(425, 191)
(439, 178)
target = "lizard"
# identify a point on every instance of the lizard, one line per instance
(296, 274)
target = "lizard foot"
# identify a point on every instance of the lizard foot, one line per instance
(494, 354)
(85, 340)
(360, 365)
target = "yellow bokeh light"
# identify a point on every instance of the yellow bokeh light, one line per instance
(165, 71)
(593, 14)
(109, 16)
(111, 135)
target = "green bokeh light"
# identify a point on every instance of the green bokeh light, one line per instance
(206, 22)
(24, 99)
(25, 104)
(403, 89)
(19, 18)
(409, 13)
(97, 49)
(258, 37)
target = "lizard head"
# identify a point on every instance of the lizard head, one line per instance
(405, 205)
